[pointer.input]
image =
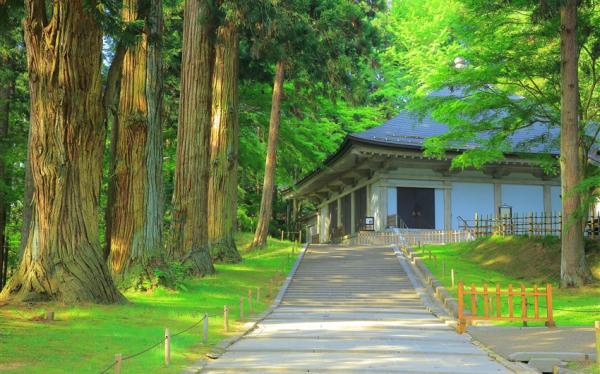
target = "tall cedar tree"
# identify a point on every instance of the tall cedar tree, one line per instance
(190, 204)
(5, 94)
(136, 203)
(573, 269)
(224, 144)
(266, 202)
(62, 258)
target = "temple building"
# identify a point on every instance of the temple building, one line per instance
(380, 179)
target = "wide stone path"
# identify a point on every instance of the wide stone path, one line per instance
(353, 309)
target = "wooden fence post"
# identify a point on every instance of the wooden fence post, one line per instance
(167, 347)
(281, 235)
(271, 288)
(461, 323)
(511, 313)
(225, 318)
(118, 361)
(241, 308)
(205, 329)
(498, 309)
(452, 276)
(550, 316)
(250, 306)
(523, 306)
(597, 331)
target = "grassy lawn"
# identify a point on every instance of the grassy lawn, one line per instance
(84, 339)
(516, 260)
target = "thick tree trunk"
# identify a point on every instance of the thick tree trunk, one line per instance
(135, 185)
(5, 93)
(110, 104)
(222, 189)
(190, 196)
(27, 202)
(63, 259)
(574, 272)
(266, 202)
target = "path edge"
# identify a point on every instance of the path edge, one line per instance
(222, 346)
(440, 296)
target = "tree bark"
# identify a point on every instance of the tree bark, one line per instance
(266, 202)
(136, 182)
(190, 196)
(5, 94)
(574, 272)
(222, 190)
(110, 104)
(62, 259)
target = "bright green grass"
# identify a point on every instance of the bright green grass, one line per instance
(513, 261)
(84, 339)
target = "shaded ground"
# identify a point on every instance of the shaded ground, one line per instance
(84, 339)
(507, 340)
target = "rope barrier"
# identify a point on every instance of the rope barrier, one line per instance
(134, 355)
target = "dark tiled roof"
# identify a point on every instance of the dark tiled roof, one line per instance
(406, 129)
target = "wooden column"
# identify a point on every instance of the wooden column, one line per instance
(447, 205)
(352, 213)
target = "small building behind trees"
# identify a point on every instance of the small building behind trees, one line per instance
(381, 179)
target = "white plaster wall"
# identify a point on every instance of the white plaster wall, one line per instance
(555, 201)
(471, 198)
(392, 201)
(439, 208)
(523, 198)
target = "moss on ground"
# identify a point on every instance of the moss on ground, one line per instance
(84, 339)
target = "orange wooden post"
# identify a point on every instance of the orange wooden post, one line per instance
(550, 317)
(461, 326)
(523, 303)
(118, 363)
(536, 303)
(510, 301)
(473, 300)
(498, 310)
(485, 301)
(241, 308)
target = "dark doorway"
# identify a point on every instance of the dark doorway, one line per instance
(333, 223)
(360, 208)
(416, 207)
(347, 213)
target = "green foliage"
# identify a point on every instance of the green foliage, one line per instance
(507, 79)
(173, 275)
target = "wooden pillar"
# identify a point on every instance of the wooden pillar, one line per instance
(352, 213)
(448, 205)
(547, 199)
(497, 197)
(339, 211)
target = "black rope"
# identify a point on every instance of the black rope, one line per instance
(156, 344)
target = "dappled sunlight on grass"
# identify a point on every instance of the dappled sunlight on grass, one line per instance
(516, 260)
(84, 339)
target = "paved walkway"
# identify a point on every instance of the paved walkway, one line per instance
(353, 309)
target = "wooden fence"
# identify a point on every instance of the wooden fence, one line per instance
(490, 308)
(407, 237)
(529, 224)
